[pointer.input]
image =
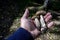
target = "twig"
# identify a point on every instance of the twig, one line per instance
(45, 3)
(57, 22)
(54, 12)
(34, 3)
(40, 7)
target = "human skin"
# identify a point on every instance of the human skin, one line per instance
(29, 25)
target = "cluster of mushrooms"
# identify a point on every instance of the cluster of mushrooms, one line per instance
(40, 21)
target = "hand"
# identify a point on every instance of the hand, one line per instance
(28, 24)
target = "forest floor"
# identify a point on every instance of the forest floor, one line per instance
(52, 34)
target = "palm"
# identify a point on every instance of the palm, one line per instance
(29, 25)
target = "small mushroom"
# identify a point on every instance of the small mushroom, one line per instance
(43, 24)
(37, 23)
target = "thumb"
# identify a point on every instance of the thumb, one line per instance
(26, 14)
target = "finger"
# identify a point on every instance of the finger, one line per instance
(50, 24)
(48, 18)
(38, 13)
(47, 15)
(26, 14)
